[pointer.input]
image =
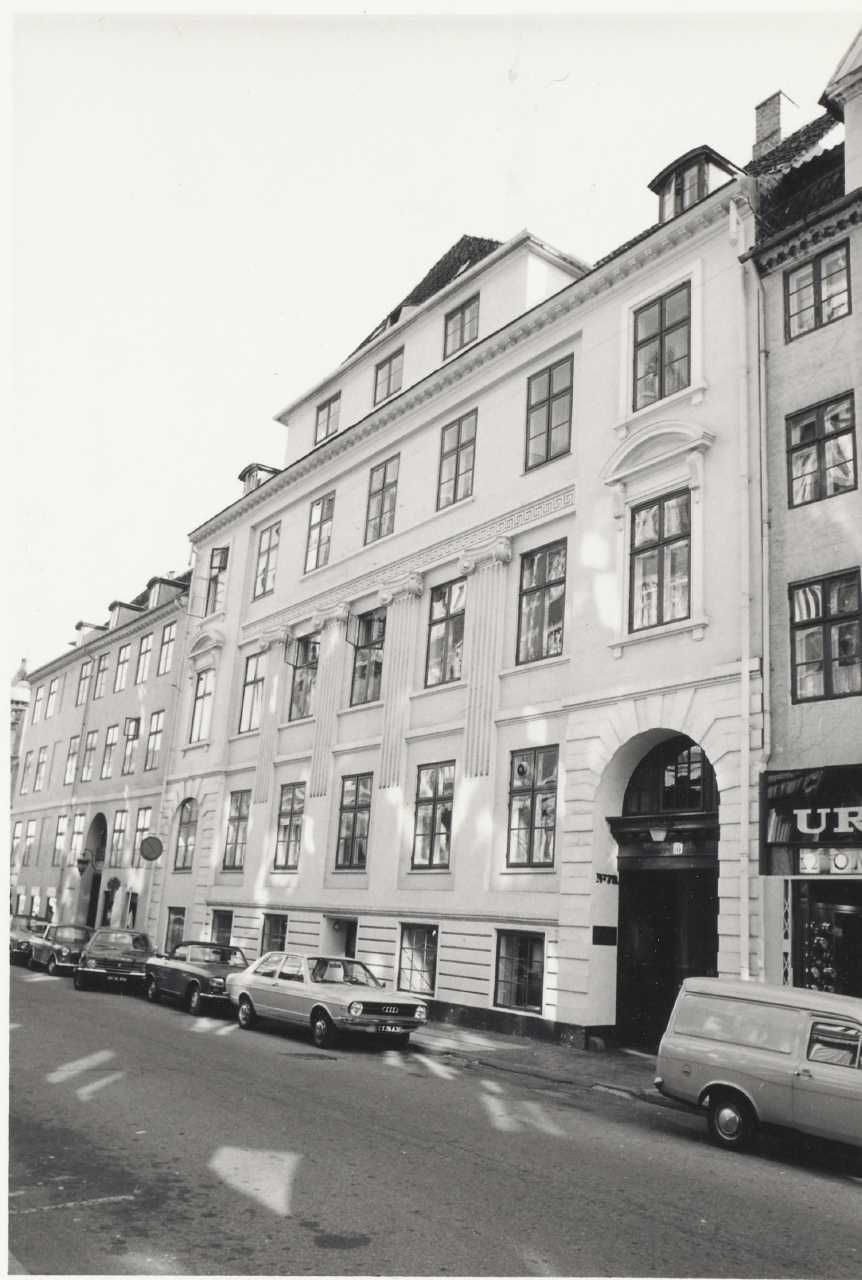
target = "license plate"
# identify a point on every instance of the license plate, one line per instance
(389, 1026)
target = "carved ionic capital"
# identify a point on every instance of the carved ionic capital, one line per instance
(411, 584)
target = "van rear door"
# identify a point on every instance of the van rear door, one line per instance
(827, 1082)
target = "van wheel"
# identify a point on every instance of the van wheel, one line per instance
(732, 1122)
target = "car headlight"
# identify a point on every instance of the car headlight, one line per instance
(25, 946)
(421, 1013)
(91, 964)
(217, 984)
(64, 951)
(354, 1008)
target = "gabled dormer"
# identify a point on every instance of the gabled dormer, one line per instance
(688, 179)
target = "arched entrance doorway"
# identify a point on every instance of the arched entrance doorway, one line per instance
(668, 895)
(91, 877)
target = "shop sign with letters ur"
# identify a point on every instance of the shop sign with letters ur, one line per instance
(811, 821)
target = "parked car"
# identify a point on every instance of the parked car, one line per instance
(754, 1054)
(328, 994)
(114, 956)
(60, 947)
(23, 931)
(193, 973)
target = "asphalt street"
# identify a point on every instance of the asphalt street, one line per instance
(146, 1141)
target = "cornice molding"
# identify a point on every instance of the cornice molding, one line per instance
(807, 236)
(487, 540)
(107, 638)
(602, 279)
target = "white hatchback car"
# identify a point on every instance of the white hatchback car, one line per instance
(327, 994)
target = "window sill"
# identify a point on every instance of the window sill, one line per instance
(527, 871)
(181, 871)
(241, 737)
(360, 706)
(196, 746)
(693, 393)
(543, 664)
(436, 688)
(538, 466)
(429, 871)
(695, 627)
(349, 871)
(284, 871)
(290, 724)
(514, 1008)
(231, 871)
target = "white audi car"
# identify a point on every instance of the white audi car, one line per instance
(327, 994)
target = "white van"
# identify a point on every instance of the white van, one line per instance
(756, 1054)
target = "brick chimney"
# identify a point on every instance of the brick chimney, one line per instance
(767, 125)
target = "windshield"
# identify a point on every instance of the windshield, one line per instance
(72, 933)
(341, 969)
(208, 954)
(120, 938)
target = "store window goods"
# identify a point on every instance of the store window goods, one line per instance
(367, 634)
(461, 326)
(145, 650)
(237, 831)
(273, 935)
(549, 413)
(252, 693)
(267, 560)
(112, 734)
(320, 518)
(382, 495)
(660, 562)
(142, 830)
(51, 704)
(166, 648)
(41, 767)
(132, 733)
(826, 637)
(216, 581)
(520, 971)
(83, 682)
(118, 838)
(542, 603)
(121, 675)
(328, 414)
(199, 730)
(662, 347)
(446, 632)
(388, 375)
(71, 759)
(88, 759)
(817, 293)
(432, 832)
(288, 844)
(187, 826)
(222, 927)
(354, 820)
(302, 653)
(154, 740)
(821, 451)
(417, 959)
(457, 460)
(532, 807)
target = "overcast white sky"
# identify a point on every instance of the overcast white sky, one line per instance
(210, 212)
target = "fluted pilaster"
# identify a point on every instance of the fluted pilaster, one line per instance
(485, 610)
(402, 611)
(326, 697)
(274, 648)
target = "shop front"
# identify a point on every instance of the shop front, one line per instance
(811, 835)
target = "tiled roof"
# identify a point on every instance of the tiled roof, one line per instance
(794, 147)
(465, 253)
(800, 192)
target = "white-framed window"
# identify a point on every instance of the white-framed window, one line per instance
(76, 845)
(154, 740)
(388, 375)
(145, 650)
(41, 767)
(320, 518)
(130, 747)
(59, 841)
(101, 675)
(166, 648)
(288, 845)
(676, 324)
(118, 838)
(267, 560)
(461, 326)
(327, 418)
(84, 682)
(38, 699)
(112, 733)
(25, 770)
(71, 759)
(657, 477)
(417, 959)
(142, 829)
(88, 759)
(202, 703)
(121, 674)
(186, 835)
(520, 971)
(216, 580)
(51, 704)
(252, 692)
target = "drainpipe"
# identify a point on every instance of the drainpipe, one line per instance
(737, 233)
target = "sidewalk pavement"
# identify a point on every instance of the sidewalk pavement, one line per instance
(615, 1070)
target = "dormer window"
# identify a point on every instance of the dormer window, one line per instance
(326, 422)
(254, 475)
(688, 180)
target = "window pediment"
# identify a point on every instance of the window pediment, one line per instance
(656, 447)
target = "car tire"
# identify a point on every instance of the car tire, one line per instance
(245, 1014)
(52, 965)
(732, 1121)
(322, 1029)
(193, 999)
(151, 990)
(78, 981)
